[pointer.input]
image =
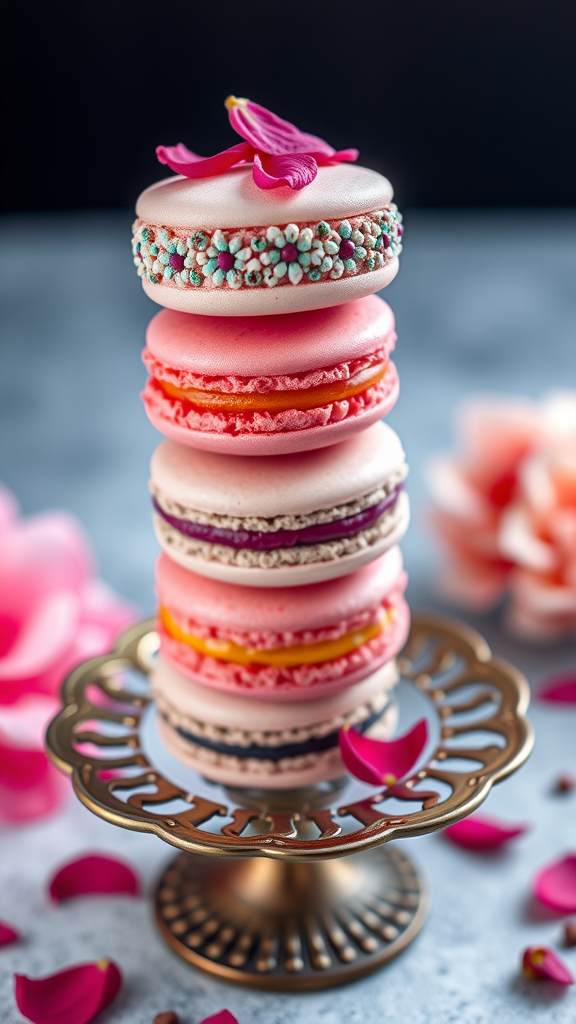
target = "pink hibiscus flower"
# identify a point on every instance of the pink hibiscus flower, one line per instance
(279, 152)
(54, 613)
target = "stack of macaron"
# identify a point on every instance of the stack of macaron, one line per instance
(278, 494)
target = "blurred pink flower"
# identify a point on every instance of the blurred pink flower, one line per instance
(54, 613)
(506, 510)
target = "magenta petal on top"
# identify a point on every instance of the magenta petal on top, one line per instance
(72, 996)
(555, 885)
(8, 934)
(293, 169)
(342, 156)
(223, 1017)
(182, 161)
(93, 875)
(559, 690)
(382, 762)
(542, 962)
(478, 832)
(269, 133)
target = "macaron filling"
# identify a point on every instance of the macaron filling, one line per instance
(273, 411)
(259, 540)
(273, 746)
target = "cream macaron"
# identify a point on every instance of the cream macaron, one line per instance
(224, 247)
(270, 385)
(277, 522)
(255, 743)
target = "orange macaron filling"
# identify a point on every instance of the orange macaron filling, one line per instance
(308, 398)
(279, 657)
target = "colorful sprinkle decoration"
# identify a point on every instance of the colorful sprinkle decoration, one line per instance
(268, 256)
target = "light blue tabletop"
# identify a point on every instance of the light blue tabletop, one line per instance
(484, 301)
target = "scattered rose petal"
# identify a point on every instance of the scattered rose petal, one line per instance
(541, 962)
(223, 1017)
(8, 934)
(565, 783)
(168, 1017)
(280, 153)
(479, 832)
(559, 690)
(92, 875)
(555, 885)
(382, 762)
(570, 933)
(72, 996)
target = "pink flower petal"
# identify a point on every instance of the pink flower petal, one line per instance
(180, 160)
(294, 169)
(378, 762)
(342, 156)
(92, 875)
(478, 832)
(269, 133)
(46, 635)
(223, 1017)
(8, 934)
(559, 690)
(30, 787)
(541, 962)
(72, 996)
(555, 885)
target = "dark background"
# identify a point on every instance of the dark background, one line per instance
(460, 102)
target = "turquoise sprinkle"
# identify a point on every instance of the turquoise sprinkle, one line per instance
(154, 249)
(349, 264)
(322, 229)
(371, 262)
(209, 267)
(274, 256)
(253, 278)
(304, 259)
(199, 241)
(315, 274)
(195, 278)
(153, 279)
(258, 244)
(344, 230)
(145, 234)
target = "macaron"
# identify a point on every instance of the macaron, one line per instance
(270, 385)
(224, 247)
(254, 743)
(284, 643)
(281, 521)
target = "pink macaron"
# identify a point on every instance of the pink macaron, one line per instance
(283, 643)
(270, 385)
(281, 521)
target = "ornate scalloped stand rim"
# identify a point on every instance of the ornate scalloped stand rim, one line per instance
(271, 907)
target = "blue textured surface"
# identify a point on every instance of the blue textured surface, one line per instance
(483, 301)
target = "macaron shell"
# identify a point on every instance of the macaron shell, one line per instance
(287, 575)
(233, 712)
(397, 636)
(281, 610)
(297, 484)
(281, 442)
(269, 301)
(278, 346)
(233, 200)
(326, 767)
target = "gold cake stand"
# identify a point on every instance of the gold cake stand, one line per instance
(263, 891)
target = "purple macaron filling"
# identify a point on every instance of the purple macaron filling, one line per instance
(257, 540)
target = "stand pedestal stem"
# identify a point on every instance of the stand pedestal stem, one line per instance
(284, 925)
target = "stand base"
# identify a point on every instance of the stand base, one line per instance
(290, 926)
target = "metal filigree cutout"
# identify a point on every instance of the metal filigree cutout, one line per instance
(478, 700)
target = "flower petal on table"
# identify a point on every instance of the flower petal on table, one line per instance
(293, 169)
(94, 874)
(559, 690)
(72, 996)
(381, 762)
(223, 1017)
(540, 962)
(479, 832)
(555, 885)
(8, 934)
(182, 161)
